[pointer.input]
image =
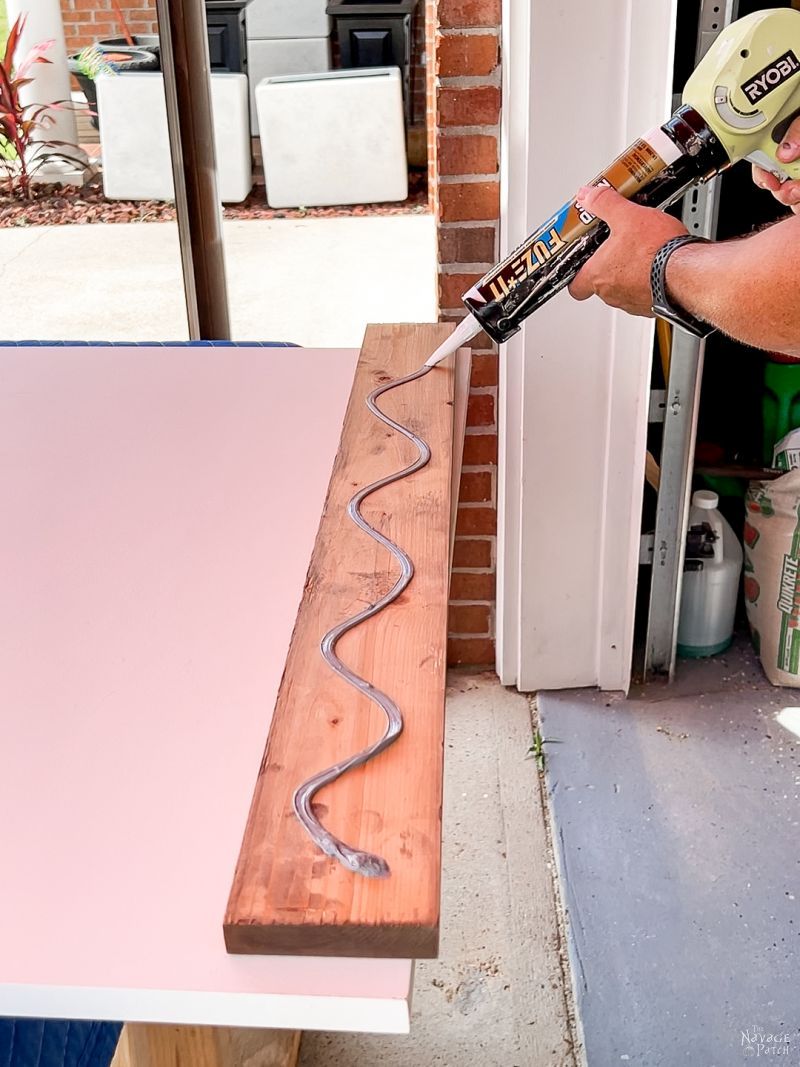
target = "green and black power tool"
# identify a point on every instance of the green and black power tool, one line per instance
(737, 104)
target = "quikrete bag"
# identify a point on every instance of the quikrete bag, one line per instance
(772, 575)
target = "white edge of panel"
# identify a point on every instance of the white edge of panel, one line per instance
(514, 143)
(606, 644)
(278, 1011)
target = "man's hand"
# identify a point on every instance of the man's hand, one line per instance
(789, 150)
(619, 271)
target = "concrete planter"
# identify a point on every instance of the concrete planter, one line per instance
(141, 60)
(135, 140)
(274, 58)
(335, 138)
(286, 37)
(268, 19)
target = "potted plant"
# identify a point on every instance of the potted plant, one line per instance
(127, 40)
(24, 148)
(114, 55)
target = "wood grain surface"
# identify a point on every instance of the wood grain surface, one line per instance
(149, 1045)
(287, 897)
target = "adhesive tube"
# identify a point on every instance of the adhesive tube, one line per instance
(654, 171)
(465, 331)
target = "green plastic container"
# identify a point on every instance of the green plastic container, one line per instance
(780, 405)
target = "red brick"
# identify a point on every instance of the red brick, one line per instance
(475, 487)
(104, 29)
(77, 18)
(480, 410)
(453, 286)
(470, 651)
(474, 105)
(470, 553)
(469, 619)
(480, 449)
(473, 153)
(476, 521)
(484, 371)
(457, 13)
(464, 202)
(468, 55)
(467, 244)
(471, 587)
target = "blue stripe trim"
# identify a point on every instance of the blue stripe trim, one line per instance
(148, 344)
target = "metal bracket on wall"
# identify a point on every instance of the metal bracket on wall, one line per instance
(658, 404)
(699, 214)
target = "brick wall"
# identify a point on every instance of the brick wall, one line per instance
(86, 21)
(468, 116)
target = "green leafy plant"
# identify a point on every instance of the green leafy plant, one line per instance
(23, 148)
(537, 748)
(92, 63)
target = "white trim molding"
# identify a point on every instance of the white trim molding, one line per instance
(580, 82)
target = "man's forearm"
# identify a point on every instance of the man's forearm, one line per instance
(749, 288)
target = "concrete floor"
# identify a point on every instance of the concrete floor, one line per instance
(316, 282)
(676, 814)
(496, 997)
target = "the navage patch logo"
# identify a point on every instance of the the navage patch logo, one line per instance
(771, 77)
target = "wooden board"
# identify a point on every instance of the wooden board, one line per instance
(287, 897)
(146, 1045)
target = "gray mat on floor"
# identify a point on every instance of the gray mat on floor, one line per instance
(677, 819)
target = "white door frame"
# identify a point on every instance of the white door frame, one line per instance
(580, 82)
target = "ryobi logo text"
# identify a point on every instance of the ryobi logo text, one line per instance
(771, 77)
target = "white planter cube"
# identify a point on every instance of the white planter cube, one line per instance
(271, 59)
(335, 138)
(135, 140)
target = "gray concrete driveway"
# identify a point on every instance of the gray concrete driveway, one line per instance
(315, 281)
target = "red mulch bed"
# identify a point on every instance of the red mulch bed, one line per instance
(65, 205)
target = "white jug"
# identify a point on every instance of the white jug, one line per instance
(710, 583)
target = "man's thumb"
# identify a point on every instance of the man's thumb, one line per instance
(603, 201)
(789, 148)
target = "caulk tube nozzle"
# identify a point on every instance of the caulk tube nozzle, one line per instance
(464, 332)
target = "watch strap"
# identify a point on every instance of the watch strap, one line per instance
(662, 306)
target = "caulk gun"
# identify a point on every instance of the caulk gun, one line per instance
(737, 104)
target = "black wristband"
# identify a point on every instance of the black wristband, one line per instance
(658, 288)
